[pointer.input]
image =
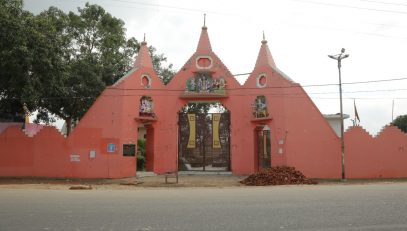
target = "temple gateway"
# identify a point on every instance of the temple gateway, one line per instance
(202, 120)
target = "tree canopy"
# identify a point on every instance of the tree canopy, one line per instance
(401, 122)
(17, 42)
(58, 63)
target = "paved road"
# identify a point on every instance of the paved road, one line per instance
(377, 206)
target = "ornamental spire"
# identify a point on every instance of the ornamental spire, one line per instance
(143, 58)
(204, 45)
(264, 58)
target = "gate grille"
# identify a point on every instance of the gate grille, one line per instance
(204, 157)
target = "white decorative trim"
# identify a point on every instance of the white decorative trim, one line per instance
(258, 84)
(150, 81)
(203, 57)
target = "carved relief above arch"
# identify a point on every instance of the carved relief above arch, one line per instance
(204, 85)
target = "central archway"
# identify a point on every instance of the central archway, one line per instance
(204, 137)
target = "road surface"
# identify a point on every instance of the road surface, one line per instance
(378, 206)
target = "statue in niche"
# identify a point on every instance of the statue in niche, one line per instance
(260, 107)
(199, 86)
(204, 83)
(218, 85)
(222, 83)
(146, 107)
(191, 84)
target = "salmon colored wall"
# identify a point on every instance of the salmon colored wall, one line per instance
(111, 119)
(300, 136)
(383, 156)
(298, 129)
(16, 157)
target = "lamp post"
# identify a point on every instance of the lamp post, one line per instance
(339, 58)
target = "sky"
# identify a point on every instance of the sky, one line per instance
(300, 34)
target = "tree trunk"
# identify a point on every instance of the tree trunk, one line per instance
(68, 122)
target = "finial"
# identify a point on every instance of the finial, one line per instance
(144, 40)
(264, 41)
(204, 25)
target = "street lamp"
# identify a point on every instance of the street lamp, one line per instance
(339, 58)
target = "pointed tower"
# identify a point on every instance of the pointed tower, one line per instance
(265, 58)
(203, 62)
(143, 69)
(204, 45)
(143, 58)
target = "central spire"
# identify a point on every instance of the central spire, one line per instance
(204, 45)
(143, 58)
(265, 58)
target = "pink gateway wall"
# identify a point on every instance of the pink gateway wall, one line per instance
(49, 154)
(300, 136)
(383, 156)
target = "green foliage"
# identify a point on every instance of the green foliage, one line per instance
(203, 107)
(17, 40)
(401, 122)
(141, 155)
(91, 52)
(59, 63)
(165, 73)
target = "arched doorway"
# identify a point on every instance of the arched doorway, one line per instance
(204, 137)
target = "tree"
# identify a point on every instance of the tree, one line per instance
(91, 52)
(401, 122)
(17, 38)
(165, 73)
(59, 63)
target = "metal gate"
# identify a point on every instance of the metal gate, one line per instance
(204, 142)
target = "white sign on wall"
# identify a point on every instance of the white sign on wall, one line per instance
(75, 158)
(92, 154)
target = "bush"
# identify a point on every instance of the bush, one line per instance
(401, 122)
(141, 155)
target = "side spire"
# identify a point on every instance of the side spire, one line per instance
(265, 58)
(204, 45)
(143, 58)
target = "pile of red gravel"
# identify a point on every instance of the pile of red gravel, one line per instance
(280, 175)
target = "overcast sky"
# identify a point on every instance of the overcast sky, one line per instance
(300, 34)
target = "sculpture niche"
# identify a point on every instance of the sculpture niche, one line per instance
(204, 83)
(260, 107)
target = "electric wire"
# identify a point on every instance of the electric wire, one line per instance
(385, 3)
(302, 1)
(235, 14)
(261, 90)
(351, 7)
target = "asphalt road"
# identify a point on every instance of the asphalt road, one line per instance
(378, 206)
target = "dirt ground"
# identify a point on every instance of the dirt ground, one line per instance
(154, 181)
(124, 183)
